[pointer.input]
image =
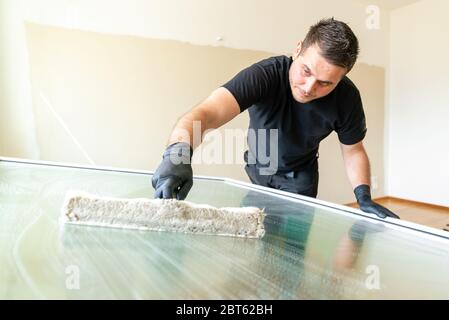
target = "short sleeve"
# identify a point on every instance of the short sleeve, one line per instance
(353, 127)
(250, 85)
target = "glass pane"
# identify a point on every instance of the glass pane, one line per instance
(310, 251)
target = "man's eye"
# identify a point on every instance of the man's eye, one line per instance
(324, 84)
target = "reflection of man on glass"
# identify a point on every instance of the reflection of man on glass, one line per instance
(304, 98)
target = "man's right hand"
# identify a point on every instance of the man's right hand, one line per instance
(174, 177)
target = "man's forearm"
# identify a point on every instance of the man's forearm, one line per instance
(219, 108)
(357, 167)
(189, 128)
(358, 170)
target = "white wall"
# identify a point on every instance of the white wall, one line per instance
(17, 135)
(265, 25)
(418, 138)
(262, 25)
(113, 100)
(130, 90)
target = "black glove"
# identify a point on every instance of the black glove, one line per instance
(174, 177)
(363, 196)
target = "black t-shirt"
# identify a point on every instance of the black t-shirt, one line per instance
(264, 89)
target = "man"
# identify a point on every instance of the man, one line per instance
(304, 98)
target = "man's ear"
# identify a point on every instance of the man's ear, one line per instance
(297, 51)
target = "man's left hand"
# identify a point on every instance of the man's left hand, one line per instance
(363, 195)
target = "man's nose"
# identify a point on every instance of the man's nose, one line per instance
(310, 85)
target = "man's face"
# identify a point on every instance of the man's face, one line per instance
(311, 76)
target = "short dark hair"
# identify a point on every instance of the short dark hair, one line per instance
(337, 43)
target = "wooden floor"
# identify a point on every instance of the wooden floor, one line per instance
(428, 215)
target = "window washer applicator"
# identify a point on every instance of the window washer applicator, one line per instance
(162, 215)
